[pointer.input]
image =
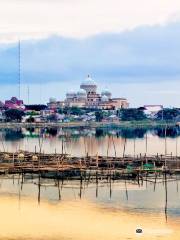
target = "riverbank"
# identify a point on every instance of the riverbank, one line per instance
(123, 124)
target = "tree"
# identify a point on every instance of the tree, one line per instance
(36, 107)
(99, 116)
(60, 111)
(14, 115)
(52, 118)
(75, 111)
(30, 120)
(168, 114)
(132, 114)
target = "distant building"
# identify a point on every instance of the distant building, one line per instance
(88, 97)
(14, 103)
(152, 110)
(53, 104)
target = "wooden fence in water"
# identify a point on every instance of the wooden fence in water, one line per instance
(58, 165)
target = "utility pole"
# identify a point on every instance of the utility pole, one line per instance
(162, 113)
(28, 93)
(19, 75)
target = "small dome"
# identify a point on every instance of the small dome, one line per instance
(105, 92)
(71, 94)
(104, 98)
(81, 93)
(52, 100)
(89, 82)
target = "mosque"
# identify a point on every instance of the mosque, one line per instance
(88, 97)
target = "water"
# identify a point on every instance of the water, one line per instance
(68, 210)
(80, 141)
(25, 215)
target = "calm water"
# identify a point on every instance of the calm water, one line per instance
(80, 141)
(30, 210)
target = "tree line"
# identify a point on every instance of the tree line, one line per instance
(130, 114)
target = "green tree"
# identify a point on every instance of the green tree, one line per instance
(31, 119)
(60, 111)
(76, 111)
(99, 116)
(168, 114)
(132, 114)
(14, 115)
(52, 118)
(36, 107)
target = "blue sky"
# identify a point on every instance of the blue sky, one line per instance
(137, 59)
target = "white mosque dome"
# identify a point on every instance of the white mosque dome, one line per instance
(105, 92)
(81, 93)
(52, 100)
(89, 82)
(104, 98)
(71, 94)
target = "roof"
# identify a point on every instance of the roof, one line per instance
(124, 99)
(153, 106)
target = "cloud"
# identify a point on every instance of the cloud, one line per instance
(141, 64)
(80, 18)
(142, 55)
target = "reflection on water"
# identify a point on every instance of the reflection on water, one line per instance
(92, 216)
(82, 141)
(34, 208)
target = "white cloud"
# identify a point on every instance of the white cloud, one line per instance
(80, 18)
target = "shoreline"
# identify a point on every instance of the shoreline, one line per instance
(123, 124)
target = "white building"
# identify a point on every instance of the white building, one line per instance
(88, 97)
(152, 110)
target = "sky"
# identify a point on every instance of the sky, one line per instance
(132, 47)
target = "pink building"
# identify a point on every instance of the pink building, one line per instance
(14, 103)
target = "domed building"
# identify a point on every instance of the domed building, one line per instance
(106, 93)
(89, 85)
(52, 100)
(88, 97)
(71, 94)
(81, 94)
(104, 98)
(77, 99)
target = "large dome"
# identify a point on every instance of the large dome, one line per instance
(89, 82)
(89, 85)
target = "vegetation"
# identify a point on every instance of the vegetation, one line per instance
(71, 111)
(99, 116)
(52, 118)
(168, 114)
(36, 107)
(14, 115)
(30, 120)
(132, 114)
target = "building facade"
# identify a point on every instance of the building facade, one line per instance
(88, 97)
